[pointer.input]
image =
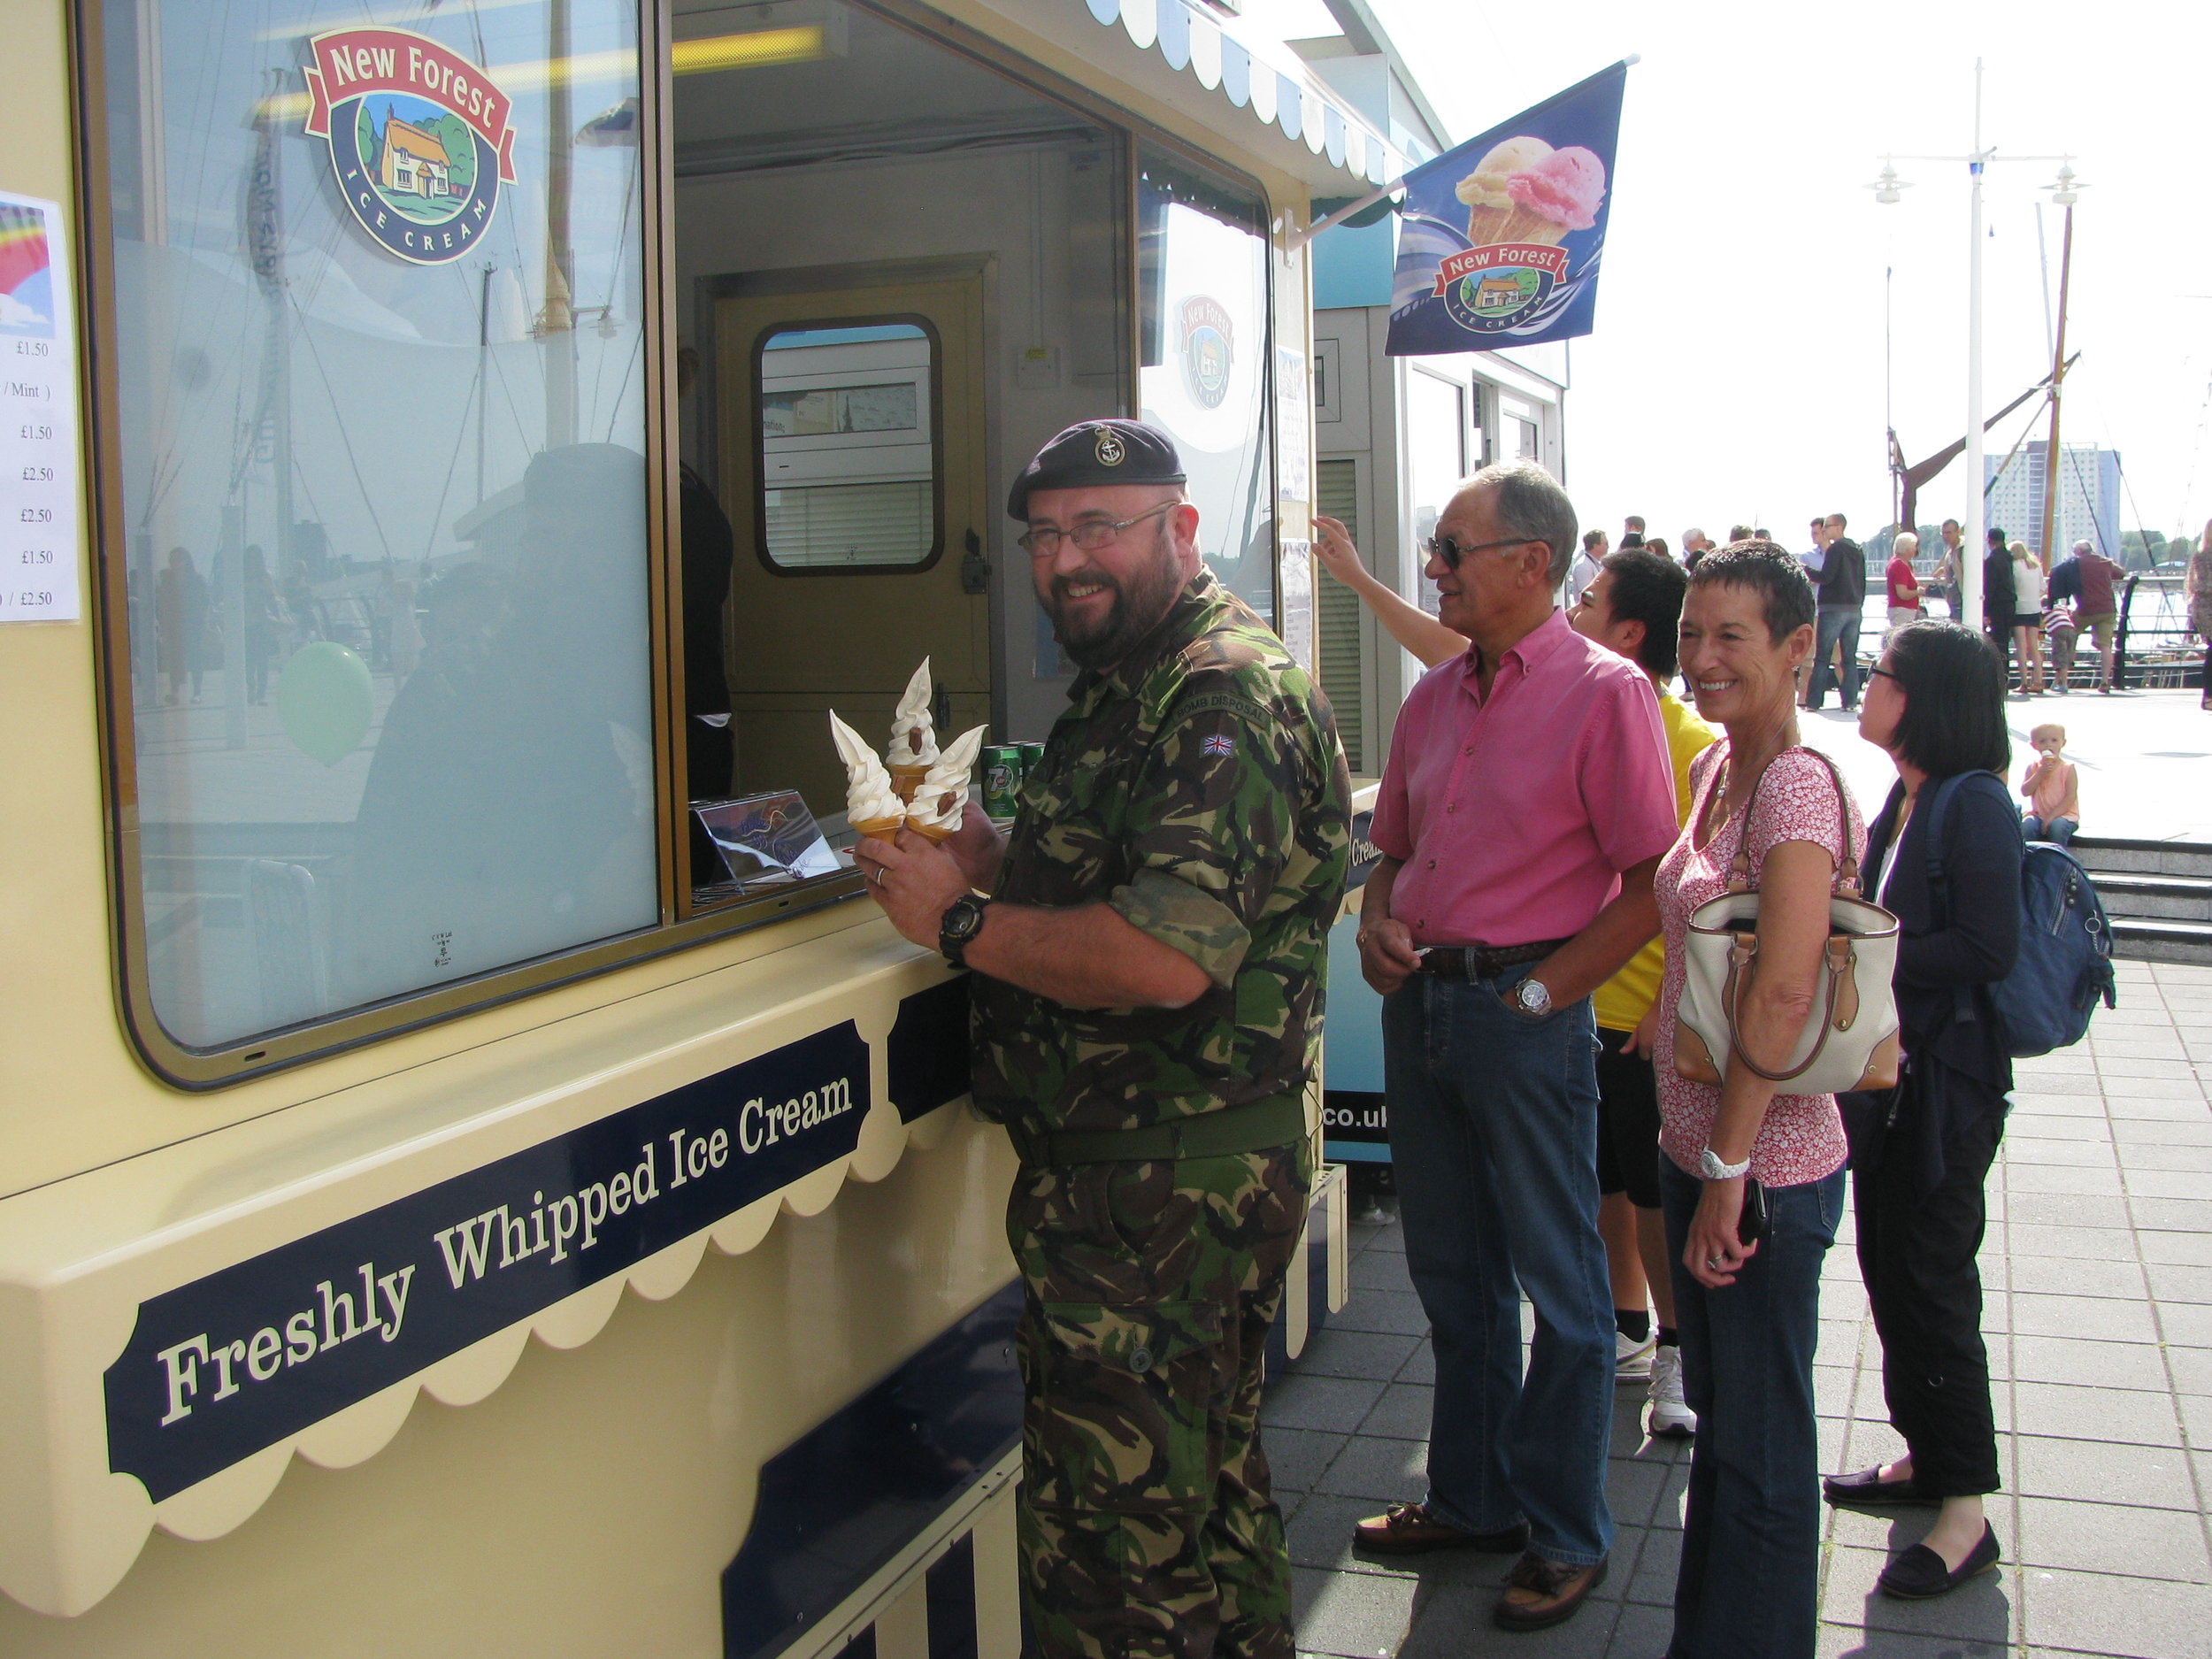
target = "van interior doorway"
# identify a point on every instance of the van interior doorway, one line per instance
(898, 272)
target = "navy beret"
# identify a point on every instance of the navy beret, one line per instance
(1098, 452)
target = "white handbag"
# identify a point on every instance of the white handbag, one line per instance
(1852, 1041)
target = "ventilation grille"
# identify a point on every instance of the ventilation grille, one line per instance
(1343, 659)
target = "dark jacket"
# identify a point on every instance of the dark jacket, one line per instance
(1843, 577)
(1972, 947)
(1997, 589)
(2065, 581)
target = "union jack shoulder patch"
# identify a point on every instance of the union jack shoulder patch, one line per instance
(1218, 744)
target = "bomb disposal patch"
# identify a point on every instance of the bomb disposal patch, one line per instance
(419, 138)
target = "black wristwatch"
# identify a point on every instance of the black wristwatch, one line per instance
(963, 920)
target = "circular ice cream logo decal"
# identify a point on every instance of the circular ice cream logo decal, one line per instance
(1486, 289)
(1207, 337)
(419, 138)
(1523, 199)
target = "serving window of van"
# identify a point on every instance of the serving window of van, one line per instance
(478, 575)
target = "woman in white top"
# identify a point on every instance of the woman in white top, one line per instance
(2027, 617)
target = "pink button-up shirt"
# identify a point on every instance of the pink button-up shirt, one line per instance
(1514, 815)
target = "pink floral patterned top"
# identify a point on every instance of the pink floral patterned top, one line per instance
(1801, 1138)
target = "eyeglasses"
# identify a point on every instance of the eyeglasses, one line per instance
(1442, 547)
(1884, 673)
(1090, 535)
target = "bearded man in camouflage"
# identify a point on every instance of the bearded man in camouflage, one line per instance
(1147, 1008)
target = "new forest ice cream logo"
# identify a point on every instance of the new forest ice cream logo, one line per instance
(1522, 200)
(1207, 349)
(419, 139)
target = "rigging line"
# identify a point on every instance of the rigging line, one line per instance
(453, 460)
(614, 280)
(345, 437)
(637, 345)
(508, 392)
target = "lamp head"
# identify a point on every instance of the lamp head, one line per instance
(2068, 190)
(1888, 188)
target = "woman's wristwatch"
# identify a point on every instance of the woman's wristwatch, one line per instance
(1712, 1168)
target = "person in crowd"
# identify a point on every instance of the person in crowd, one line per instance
(1635, 608)
(1741, 532)
(2097, 612)
(1944, 582)
(1842, 591)
(1997, 606)
(1816, 562)
(1525, 804)
(2053, 789)
(1658, 544)
(265, 616)
(180, 625)
(1695, 545)
(2059, 636)
(1904, 587)
(1632, 531)
(1147, 1006)
(2027, 617)
(1586, 564)
(1922, 1152)
(2197, 586)
(1750, 1312)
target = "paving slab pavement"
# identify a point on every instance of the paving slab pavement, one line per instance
(2098, 1269)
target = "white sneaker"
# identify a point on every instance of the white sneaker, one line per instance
(1670, 1417)
(1632, 1359)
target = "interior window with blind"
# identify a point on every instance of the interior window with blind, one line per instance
(848, 462)
(1343, 653)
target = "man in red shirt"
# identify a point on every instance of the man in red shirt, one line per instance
(2097, 612)
(1526, 803)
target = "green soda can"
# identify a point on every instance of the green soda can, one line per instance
(1001, 781)
(1032, 753)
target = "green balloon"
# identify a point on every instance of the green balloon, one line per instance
(324, 701)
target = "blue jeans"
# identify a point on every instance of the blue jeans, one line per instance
(1750, 1574)
(1494, 1136)
(2059, 829)
(1838, 625)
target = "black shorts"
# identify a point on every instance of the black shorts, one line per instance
(1628, 1122)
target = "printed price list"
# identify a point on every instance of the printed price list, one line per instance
(38, 418)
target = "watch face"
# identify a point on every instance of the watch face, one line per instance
(1534, 998)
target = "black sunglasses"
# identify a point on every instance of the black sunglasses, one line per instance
(1444, 548)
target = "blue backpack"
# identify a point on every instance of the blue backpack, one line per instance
(2065, 960)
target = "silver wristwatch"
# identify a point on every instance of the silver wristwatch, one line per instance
(1531, 998)
(1713, 1170)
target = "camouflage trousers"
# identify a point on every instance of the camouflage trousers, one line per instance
(1147, 1527)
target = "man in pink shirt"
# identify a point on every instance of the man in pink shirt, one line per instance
(1526, 803)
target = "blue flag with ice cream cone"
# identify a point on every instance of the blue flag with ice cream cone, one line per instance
(1499, 240)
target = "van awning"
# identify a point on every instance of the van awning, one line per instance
(1163, 45)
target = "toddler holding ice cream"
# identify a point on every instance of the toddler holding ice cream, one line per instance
(2053, 809)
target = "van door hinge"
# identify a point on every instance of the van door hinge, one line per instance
(975, 570)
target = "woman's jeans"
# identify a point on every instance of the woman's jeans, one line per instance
(1749, 1583)
(2060, 830)
(1494, 1131)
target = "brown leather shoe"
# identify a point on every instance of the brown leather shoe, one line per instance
(1540, 1593)
(1409, 1529)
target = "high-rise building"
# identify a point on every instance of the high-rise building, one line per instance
(2088, 497)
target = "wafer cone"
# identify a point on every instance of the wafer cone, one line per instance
(938, 833)
(1521, 225)
(881, 829)
(906, 779)
(1487, 224)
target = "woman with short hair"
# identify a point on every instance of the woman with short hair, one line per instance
(1922, 1151)
(1750, 1312)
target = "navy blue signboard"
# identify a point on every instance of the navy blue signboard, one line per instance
(1499, 240)
(218, 1369)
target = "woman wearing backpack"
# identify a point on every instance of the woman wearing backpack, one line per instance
(1921, 1153)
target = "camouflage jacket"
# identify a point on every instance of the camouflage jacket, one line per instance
(1199, 788)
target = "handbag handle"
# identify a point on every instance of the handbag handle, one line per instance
(1741, 955)
(1846, 877)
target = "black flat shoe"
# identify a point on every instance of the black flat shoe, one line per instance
(1919, 1573)
(1868, 1486)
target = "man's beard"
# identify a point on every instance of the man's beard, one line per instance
(1139, 605)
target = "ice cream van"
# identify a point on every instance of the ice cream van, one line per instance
(477, 1176)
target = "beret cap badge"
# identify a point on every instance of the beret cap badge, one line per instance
(1109, 449)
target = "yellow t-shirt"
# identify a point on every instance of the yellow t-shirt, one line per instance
(1623, 1000)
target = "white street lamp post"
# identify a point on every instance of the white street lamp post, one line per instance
(1888, 189)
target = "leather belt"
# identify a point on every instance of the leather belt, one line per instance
(1479, 962)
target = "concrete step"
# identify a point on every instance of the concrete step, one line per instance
(2155, 898)
(2134, 941)
(2098, 854)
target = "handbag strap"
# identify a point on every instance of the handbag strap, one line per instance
(1847, 877)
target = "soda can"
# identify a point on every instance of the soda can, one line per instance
(1001, 781)
(1032, 753)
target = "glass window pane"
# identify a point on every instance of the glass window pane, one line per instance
(1436, 454)
(381, 420)
(1202, 267)
(849, 465)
